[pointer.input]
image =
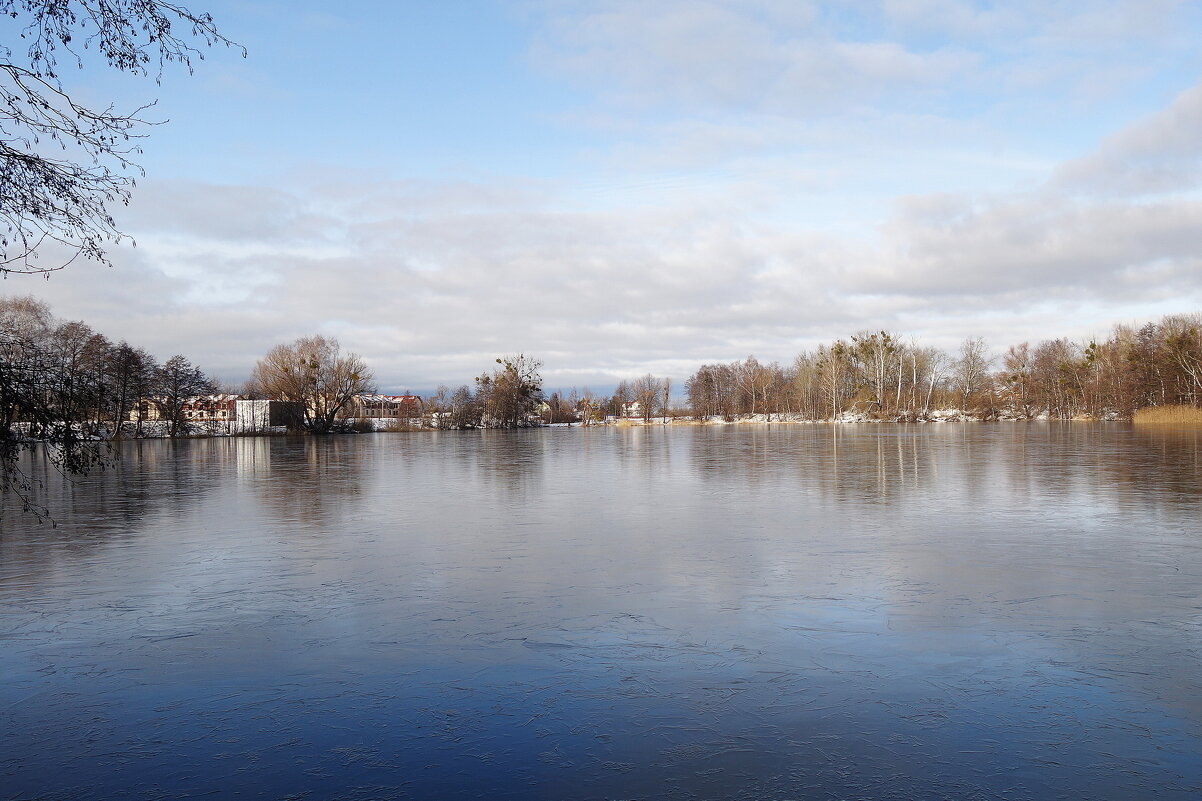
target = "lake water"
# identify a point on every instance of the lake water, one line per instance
(971, 611)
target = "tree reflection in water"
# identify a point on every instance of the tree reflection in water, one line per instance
(306, 480)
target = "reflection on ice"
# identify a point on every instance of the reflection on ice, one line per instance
(304, 480)
(963, 611)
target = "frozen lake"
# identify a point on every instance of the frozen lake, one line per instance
(965, 611)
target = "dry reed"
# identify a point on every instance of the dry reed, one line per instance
(1173, 415)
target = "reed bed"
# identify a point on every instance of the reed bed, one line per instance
(1172, 415)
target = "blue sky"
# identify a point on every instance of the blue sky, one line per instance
(403, 89)
(620, 187)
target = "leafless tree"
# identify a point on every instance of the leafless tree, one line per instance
(64, 162)
(588, 407)
(313, 373)
(970, 374)
(934, 368)
(25, 318)
(836, 375)
(511, 392)
(561, 409)
(703, 391)
(616, 405)
(464, 412)
(43, 397)
(176, 383)
(1017, 379)
(1057, 370)
(647, 392)
(875, 355)
(1183, 346)
(130, 372)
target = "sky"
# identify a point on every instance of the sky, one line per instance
(618, 187)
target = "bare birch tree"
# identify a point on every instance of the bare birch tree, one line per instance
(970, 375)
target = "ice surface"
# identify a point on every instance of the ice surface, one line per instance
(883, 611)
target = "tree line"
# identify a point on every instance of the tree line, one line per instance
(72, 388)
(67, 385)
(53, 371)
(878, 375)
(56, 372)
(881, 376)
(507, 396)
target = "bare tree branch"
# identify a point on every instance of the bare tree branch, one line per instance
(64, 164)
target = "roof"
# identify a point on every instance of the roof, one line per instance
(378, 398)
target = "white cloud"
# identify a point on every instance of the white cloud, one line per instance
(1040, 245)
(431, 297)
(1098, 22)
(774, 57)
(1160, 153)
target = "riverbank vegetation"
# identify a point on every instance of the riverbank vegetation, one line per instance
(877, 375)
(1168, 415)
(63, 383)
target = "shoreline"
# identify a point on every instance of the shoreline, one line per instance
(222, 430)
(226, 429)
